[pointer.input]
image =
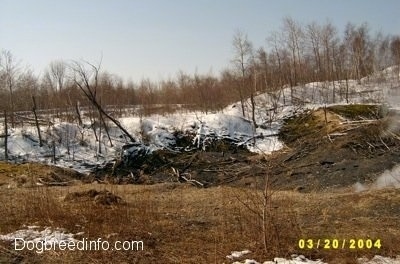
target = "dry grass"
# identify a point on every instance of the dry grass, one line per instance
(28, 174)
(182, 224)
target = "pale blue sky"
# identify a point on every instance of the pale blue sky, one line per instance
(157, 38)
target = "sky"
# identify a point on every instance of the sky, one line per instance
(158, 38)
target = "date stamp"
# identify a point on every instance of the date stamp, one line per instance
(332, 244)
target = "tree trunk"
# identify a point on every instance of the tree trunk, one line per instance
(253, 103)
(54, 152)
(78, 113)
(100, 123)
(36, 121)
(347, 89)
(105, 127)
(5, 136)
(116, 122)
(93, 123)
(12, 108)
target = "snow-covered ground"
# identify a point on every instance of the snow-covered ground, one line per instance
(300, 259)
(76, 146)
(36, 234)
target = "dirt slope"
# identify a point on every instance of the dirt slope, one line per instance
(337, 151)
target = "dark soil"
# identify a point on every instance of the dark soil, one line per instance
(223, 162)
(353, 152)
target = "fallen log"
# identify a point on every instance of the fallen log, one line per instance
(32, 121)
(182, 178)
(41, 181)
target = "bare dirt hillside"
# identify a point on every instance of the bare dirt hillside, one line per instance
(349, 144)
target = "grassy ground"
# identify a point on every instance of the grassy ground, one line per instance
(182, 224)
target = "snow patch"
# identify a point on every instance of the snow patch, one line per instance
(379, 260)
(389, 178)
(301, 260)
(238, 254)
(296, 259)
(47, 236)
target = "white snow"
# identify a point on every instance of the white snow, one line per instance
(389, 178)
(238, 254)
(379, 260)
(300, 259)
(33, 234)
(296, 259)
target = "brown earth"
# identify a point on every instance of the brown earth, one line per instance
(324, 155)
(183, 224)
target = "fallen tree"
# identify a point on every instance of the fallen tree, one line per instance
(87, 81)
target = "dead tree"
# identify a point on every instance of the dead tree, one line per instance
(10, 68)
(87, 81)
(92, 121)
(242, 59)
(105, 126)
(78, 114)
(5, 136)
(53, 157)
(36, 121)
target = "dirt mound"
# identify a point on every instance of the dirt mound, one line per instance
(223, 161)
(336, 151)
(98, 197)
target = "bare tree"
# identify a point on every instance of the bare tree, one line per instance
(381, 52)
(5, 136)
(358, 43)
(293, 35)
(243, 56)
(10, 70)
(314, 36)
(277, 57)
(395, 49)
(34, 108)
(56, 75)
(86, 78)
(329, 40)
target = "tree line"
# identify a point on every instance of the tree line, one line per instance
(293, 55)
